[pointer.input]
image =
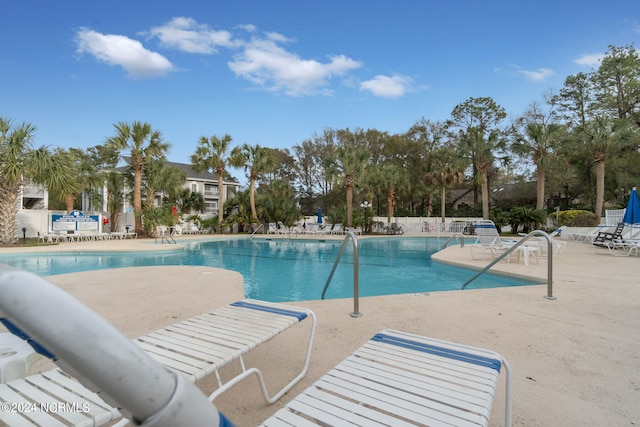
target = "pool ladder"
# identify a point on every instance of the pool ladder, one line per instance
(513, 248)
(350, 235)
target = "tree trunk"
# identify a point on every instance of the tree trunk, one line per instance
(221, 197)
(349, 206)
(599, 188)
(390, 197)
(443, 199)
(137, 200)
(540, 187)
(8, 202)
(68, 200)
(485, 195)
(252, 199)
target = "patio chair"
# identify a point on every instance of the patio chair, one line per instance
(603, 237)
(273, 228)
(402, 379)
(490, 242)
(114, 371)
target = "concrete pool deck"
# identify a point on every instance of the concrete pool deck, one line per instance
(575, 360)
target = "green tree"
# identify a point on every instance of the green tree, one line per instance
(617, 84)
(599, 137)
(19, 161)
(158, 176)
(446, 168)
(479, 138)
(256, 161)
(115, 196)
(143, 144)
(535, 137)
(389, 177)
(211, 155)
(350, 164)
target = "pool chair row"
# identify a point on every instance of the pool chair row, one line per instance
(394, 379)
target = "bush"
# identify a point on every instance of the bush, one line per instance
(578, 218)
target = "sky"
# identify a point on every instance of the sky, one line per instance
(275, 73)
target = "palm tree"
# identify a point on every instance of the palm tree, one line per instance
(388, 178)
(20, 161)
(446, 168)
(350, 164)
(537, 140)
(212, 154)
(115, 196)
(160, 177)
(599, 136)
(144, 144)
(255, 160)
(84, 174)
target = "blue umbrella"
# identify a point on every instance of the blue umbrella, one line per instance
(319, 215)
(632, 214)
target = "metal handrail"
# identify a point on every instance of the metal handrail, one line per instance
(349, 235)
(455, 235)
(257, 228)
(513, 248)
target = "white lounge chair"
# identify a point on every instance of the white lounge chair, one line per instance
(558, 245)
(490, 241)
(124, 376)
(401, 379)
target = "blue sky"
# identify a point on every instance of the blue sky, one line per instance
(275, 73)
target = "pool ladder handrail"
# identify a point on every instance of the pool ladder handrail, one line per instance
(513, 248)
(456, 235)
(257, 228)
(349, 235)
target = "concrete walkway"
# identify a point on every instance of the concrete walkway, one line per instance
(576, 359)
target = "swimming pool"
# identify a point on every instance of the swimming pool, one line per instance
(281, 270)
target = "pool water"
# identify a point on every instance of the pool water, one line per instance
(281, 270)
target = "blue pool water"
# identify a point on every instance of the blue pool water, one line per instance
(282, 270)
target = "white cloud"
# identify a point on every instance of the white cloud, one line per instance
(539, 75)
(388, 87)
(122, 51)
(589, 59)
(187, 35)
(265, 63)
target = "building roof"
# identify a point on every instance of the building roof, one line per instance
(189, 171)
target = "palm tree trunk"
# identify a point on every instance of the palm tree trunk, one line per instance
(443, 199)
(599, 188)
(68, 201)
(137, 200)
(221, 192)
(349, 206)
(389, 205)
(8, 202)
(252, 199)
(485, 195)
(540, 187)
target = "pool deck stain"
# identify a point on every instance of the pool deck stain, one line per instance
(575, 360)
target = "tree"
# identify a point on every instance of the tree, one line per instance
(446, 168)
(617, 84)
(535, 137)
(349, 164)
(256, 161)
(19, 161)
(479, 138)
(388, 177)
(211, 155)
(160, 177)
(115, 197)
(599, 136)
(143, 144)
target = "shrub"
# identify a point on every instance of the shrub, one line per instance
(578, 218)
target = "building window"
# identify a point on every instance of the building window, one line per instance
(211, 207)
(210, 190)
(194, 187)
